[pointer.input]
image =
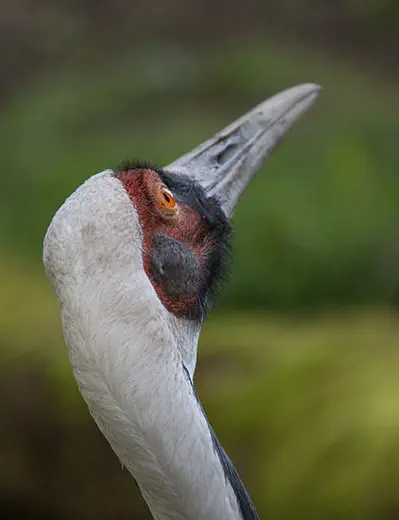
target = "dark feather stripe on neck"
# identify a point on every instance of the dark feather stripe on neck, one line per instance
(247, 508)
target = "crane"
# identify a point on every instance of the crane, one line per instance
(135, 256)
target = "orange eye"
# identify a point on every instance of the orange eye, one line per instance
(166, 201)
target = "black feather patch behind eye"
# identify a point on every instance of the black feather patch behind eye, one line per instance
(217, 231)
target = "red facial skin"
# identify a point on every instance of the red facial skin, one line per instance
(186, 226)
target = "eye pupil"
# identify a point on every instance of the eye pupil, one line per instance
(166, 197)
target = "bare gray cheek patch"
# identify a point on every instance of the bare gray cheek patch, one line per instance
(175, 268)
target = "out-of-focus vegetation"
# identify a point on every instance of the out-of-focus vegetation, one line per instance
(44, 36)
(305, 401)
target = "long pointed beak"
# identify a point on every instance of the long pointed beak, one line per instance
(225, 164)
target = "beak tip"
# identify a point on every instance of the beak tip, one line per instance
(301, 92)
(314, 89)
(295, 101)
(224, 164)
(310, 87)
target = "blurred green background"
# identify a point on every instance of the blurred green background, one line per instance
(298, 362)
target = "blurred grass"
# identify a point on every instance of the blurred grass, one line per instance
(318, 227)
(314, 403)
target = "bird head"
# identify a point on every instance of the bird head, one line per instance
(186, 237)
(149, 241)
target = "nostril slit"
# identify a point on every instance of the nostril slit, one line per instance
(226, 154)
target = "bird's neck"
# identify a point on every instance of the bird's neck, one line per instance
(134, 361)
(132, 374)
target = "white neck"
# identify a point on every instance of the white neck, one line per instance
(143, 402)
(133, 373)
